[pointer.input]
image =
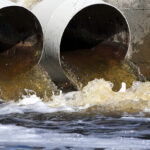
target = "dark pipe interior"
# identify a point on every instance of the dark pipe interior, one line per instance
(93, 25)
(94, 42)
(21, 40)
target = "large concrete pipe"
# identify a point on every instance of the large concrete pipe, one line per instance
(71, 25)
(21, 40)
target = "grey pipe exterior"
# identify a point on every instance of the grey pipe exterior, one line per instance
(21, 40)
(56, 17)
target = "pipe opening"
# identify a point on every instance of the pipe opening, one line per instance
(95, 39)
(21, 41)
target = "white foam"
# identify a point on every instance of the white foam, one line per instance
(99, 93)
(96, 93)
(123, 87)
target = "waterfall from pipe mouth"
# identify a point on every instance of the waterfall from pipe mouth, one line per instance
(94, 45)
(21, 42)
(97, 95)
(103, 61)
(35, 81)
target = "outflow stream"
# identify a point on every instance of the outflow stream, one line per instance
(34, 115)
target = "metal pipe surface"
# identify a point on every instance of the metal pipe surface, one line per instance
(21, 40)
(71, 25)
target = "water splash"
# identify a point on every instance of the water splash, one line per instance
(98, 95)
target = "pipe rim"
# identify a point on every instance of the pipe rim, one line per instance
(21, 28)
(104, 4)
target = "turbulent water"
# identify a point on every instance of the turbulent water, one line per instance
(34, 81)
(106, 61)
(95, 117)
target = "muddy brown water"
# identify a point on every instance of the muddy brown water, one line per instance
(103, 61)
